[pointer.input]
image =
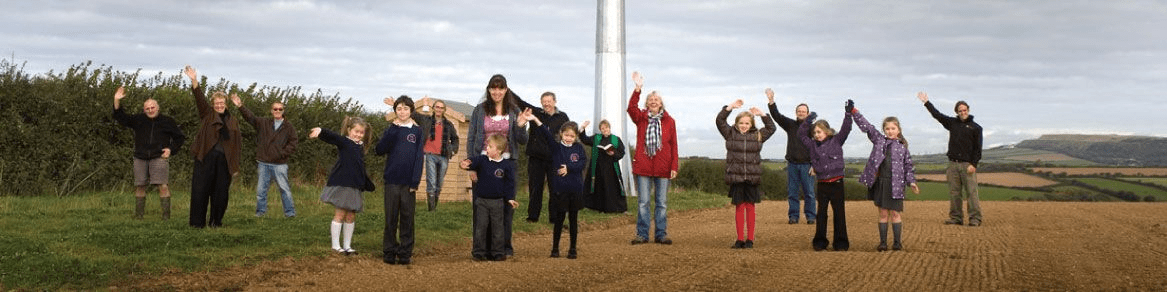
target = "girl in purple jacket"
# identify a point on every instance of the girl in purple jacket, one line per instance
(889, 170)
(826, 153)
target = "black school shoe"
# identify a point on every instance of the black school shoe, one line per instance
(882, 247)
(665, 241)
(555, 253)
(639, 241)
(953, 222)
(739, 244)
(897, 246)
(477, 258)
(792, 221)
(749, 243)
(571, 255)
(392, 260)
(403, 261)
(499, 258)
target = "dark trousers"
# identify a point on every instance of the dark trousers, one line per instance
(210, 182)
(489, 232)
(831, 193)
(537, 170)
(559, 209)
(399, 211)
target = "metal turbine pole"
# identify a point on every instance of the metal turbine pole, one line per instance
(611, 96)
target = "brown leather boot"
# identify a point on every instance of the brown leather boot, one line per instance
(140, 208)
(165, 208)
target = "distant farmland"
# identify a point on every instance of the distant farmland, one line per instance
(1147, 171)
(1006, 179)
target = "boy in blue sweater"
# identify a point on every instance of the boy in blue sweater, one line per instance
(404, 144)
(568, 159)
(495, 187)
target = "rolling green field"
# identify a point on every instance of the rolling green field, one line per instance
(89, 241)
(1115, 185)
(1160, 181)
(938, 191)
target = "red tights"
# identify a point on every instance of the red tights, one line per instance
(745, 216)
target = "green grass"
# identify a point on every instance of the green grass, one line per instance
(1114, 185)
(89, 241)
(938, 191)
(1160, 181)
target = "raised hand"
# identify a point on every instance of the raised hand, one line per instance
(388, 100)
(923, 96)
(235, 99)
(637, 79)
(315, 132)
(812, 116)
(736, 104)
(849, 107)
(755, 111)
(194, 75)
(770, 95)
(120, 94)
(585, 124)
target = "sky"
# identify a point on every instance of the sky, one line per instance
(1027, 68)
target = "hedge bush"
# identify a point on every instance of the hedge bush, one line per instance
(60, 137)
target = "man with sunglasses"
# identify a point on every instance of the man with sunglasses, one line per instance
(275, 143)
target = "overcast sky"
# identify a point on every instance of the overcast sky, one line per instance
(1026, 67)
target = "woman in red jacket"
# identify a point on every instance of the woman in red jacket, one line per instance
(655, 160)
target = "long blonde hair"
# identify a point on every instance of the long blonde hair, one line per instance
(825, 126)
(895, 120)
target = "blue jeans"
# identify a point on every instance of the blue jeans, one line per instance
(280, 172)
(660, 189)
(435, 172)
(798, 176)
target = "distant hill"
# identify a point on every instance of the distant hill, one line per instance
(1105, 149)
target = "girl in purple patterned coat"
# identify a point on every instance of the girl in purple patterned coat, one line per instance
(826, 154)
(889, 170)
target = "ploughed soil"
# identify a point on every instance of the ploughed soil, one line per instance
(1021, 246)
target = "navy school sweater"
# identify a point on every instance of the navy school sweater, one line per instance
(573, 157)
(496, 179)
(349, 170)
(404, 150)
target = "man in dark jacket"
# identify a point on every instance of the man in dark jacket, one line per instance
(538, 155)
(275, 142)
(155, 137)
(965, 140)
(797, 161)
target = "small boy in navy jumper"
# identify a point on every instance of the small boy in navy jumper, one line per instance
(568, 159)
(495, 187)
(404, 144)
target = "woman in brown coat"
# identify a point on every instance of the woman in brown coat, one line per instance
(216, 148)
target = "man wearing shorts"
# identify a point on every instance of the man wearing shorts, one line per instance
(155, 138)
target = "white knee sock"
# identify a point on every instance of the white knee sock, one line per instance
(348, 236)
(335, 235)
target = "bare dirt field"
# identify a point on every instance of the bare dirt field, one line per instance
(1103, 170)
(1022, 246)
(1006, 179)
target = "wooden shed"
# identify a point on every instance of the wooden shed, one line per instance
(456, 185)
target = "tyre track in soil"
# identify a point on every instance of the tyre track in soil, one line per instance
(1022, 246)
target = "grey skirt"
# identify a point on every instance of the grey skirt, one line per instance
(880, 192)
(346, 198)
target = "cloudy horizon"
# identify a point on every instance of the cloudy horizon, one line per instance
(1027, 68)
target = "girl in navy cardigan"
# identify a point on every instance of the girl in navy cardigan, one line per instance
(569, 160)
(347, 179)
(888, 172)
(826, 153)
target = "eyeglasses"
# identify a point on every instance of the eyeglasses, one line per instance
(278, 109)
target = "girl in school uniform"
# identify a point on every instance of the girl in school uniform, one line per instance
(347, 179)
(888, 172)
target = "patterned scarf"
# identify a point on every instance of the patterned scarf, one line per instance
(652, 141)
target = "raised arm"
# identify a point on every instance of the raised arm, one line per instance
(782, 120)
(769, 130)
(944, 120)
(723, 127)
(200, 97)
(247, 114)
(119, 114)
(872, 133)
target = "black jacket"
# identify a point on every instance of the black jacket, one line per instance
(964, 137)
(537, 146)
(795, 151)
(449, 133)
(151, 135)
